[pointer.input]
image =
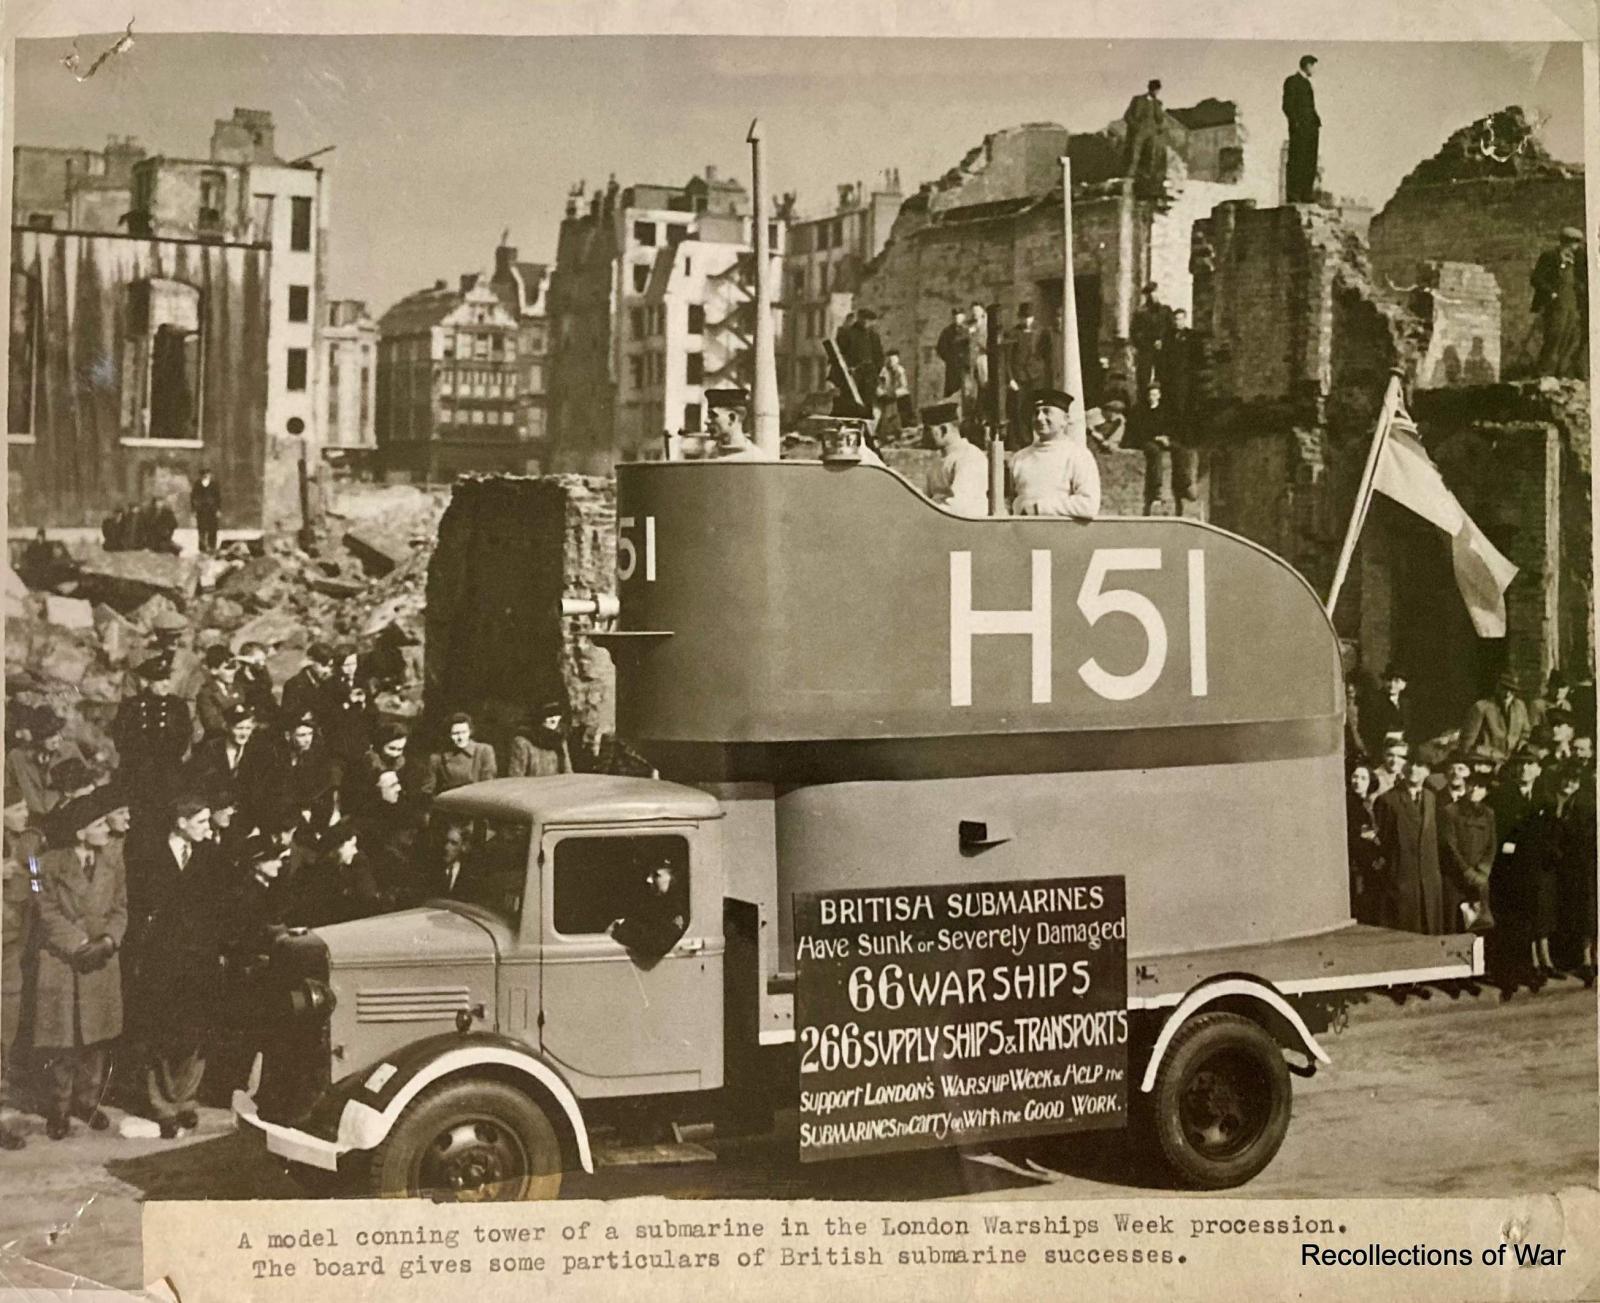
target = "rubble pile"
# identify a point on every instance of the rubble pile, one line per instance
(359, 578)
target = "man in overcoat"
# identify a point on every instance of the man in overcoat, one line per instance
(1408, 832)
(83, 917)
(178, 918)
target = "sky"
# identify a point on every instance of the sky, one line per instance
(444, 142)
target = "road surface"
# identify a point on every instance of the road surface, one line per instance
(1475, 1098)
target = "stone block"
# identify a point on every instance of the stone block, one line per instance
(128, 579)
(271, 629)
(68, 612)
(335, 587)
(55, 654)
(380, 551)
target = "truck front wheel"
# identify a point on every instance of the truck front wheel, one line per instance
(469, 1141)
(1221, 1101)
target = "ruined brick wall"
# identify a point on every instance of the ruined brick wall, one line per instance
(497, 645)
(1503, 223)
(1460, 304)
(1169, 235)
(1517, 455)
(1009, 258)
(89, 452)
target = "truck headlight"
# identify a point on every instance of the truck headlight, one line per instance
(311, 999)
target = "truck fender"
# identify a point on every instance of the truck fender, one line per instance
(1248, 987)
(394, 1083)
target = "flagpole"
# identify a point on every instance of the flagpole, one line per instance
(1358, 512)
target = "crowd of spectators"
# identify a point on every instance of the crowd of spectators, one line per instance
(1489, 828)
(136, 882)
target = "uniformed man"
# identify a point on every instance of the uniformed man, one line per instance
(960, 478)
(726, 408)
(151, 731)
(1055, 475)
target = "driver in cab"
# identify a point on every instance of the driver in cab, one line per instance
(659, 919)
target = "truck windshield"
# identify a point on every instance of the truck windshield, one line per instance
(494, 865)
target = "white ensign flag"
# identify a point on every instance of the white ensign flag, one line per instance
(1405, 474)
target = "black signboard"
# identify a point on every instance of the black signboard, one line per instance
(951, 1015)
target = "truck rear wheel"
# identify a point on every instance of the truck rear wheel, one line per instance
(469, 1141)
(1222, 1100)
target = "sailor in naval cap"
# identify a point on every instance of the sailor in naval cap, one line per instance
(1056, 475)
(959, 480)
(726, 410)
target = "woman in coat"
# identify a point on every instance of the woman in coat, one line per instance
(1362, 845)
(1467, 848)
(83, 916)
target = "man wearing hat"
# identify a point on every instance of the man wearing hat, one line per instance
(151, 731)
(959, 480)
(177, 917)
(238, 757)
(1561, 302)
(83, 916)
(1388, 711)
(1498, 724)
(1408, 833)
(725, 410)
(1055, 475)
(861, 349)
(1151, 324)
(1030, 364)
(1145, 154)
(33, 750)
(539, 748)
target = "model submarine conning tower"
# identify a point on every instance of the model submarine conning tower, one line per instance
(772, 606)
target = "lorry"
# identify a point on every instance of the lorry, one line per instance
(844, 685)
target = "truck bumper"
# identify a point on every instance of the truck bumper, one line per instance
(286, 1142)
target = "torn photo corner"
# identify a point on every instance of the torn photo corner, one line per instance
(929, 654)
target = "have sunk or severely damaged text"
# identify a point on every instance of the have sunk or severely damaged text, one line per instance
(1061, 675)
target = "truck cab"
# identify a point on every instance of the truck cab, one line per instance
(504, 972)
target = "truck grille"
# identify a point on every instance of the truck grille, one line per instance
(296, 1061)
(411, 1003)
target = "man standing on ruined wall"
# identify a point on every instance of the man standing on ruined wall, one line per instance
(1561, 302)
(1145, 154)
(1305, 128)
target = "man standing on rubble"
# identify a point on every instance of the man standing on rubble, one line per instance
(205, 497)
(1561, 302)
(1055, 475)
